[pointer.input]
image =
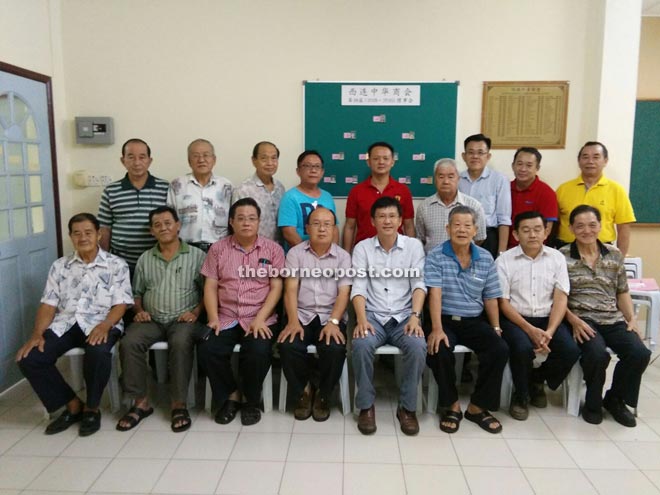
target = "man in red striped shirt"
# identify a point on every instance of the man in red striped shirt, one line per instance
(241, 291)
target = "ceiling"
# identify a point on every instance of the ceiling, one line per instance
(651, 8)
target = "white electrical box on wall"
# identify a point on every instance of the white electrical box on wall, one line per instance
(95, 130)
(82, 178)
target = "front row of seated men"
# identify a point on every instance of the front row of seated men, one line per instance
(539, 292)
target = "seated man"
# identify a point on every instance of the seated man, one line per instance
(600, 310)
(462, 282)
(85, 298)
(535, 288)
(240, 295)
(388, 306)
(168, 300)
(316, 311)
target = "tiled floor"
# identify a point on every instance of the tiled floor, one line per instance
(551, 453)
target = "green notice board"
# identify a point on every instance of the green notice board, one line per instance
(417, 118)
(645, 171)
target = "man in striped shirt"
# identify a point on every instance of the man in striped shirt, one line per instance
(126, 203)
(168, 300)
(462, 282)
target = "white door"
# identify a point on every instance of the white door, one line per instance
(28, 232)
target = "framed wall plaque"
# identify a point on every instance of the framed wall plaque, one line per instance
(525, 113)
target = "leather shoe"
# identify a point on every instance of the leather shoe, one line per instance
(537, 396)
(321, 408)
(227, 412)
(66, 419)
(592, 417)
(408, 421)
(367, 421)
(617, 408)
(303, 408)
(518, 409)
(90, 423)
(250, 415)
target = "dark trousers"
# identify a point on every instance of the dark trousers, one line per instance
(47, 381)
(297, 363)
(214, 354)
(565, 353)
(491, 350)
(492, 241)
(633, 359)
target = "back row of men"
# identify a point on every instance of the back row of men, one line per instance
(202, 199)
(534, 292)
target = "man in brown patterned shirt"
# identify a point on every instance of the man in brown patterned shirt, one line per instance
(601, 313)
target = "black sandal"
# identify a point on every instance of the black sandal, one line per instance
(484, 420)
(453, 418)
(133, 421)
(179, 415)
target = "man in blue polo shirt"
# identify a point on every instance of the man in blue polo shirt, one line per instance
(462, 282)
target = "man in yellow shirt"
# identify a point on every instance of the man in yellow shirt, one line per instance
(594, 189)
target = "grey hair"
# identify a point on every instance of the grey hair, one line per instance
(462, 210)
(442, 162)
(201, 140)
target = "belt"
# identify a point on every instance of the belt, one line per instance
(461, 318)
(204, 246)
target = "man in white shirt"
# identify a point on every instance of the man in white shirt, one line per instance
(535, 287)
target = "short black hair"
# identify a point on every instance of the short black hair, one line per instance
(307, 153)
(579, 210)
(528, 215)
(84, 217)
(134, 140)
(381, 144)
(462, 210)
(163, 209)
(237, 204)
(386, 202)
(319, 207)
(533, 151)
(255, 150)
(593, 143)
(477, 138)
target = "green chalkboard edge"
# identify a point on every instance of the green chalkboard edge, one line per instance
(640, 224)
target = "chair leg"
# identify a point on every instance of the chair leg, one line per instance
(344, 391)
(192, 386)
(432, 398)
(574, 382)
(113, 384)
(267, 391)
(284, 385)
(160, 358)
(76, 366)
(507, 387)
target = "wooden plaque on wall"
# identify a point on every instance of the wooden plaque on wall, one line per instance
(525, 113)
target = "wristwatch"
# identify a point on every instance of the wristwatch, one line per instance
(497, 329)
(334, 321)
(418, 314)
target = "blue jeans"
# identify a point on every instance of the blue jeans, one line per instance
(413, 350)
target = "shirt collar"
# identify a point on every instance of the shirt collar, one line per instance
(457, 200)
(191, 178)
(531, 187)
(448, 250)
(484, 175)
(601, 182)
(518, 251)
(100, 260)
(183, 249)
(575, 254)
(398, 244)
(331, 252)
(257, 244)
(126, 183)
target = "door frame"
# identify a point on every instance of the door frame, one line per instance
(35, 76)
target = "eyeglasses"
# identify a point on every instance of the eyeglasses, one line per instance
(311, 166)
(197, 156)
(318, 225)
(241, 219)
(387, 216)
(476, 153)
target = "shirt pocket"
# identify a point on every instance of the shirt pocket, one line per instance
(474, 286)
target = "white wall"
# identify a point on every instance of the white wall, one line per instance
(170, 71)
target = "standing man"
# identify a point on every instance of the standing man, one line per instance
(316, 311)
(168, 301)
(462, 282)
(358, 226)
(594, 189)
(240, 295)
(85, 298)
(433, 212)
(388, 305)
(490, 188)
(601, 312)
(126, 203)
(266, 190)
(528, 192)
(535, 288)
(298, 202)
(201, 199)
